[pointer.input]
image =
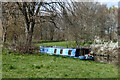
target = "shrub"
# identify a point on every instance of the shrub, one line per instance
(102, 42)
(5, 45)
(23, 49)
(89, 42)
(114, 40)
(105, 41)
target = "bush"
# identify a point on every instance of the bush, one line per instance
(81, 44)
(5, 45)
(105, 41)
(102, 42)
(89, 42)
(20, 46)
(114, 40)
(23, 49)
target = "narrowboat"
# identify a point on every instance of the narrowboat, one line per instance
(80, 53)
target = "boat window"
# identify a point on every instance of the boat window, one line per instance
(55, 51)
(77, 52)
(69, 52)
(82, 52)
(86, 51)
(61, 51)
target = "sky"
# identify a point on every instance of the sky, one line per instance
(110, 4)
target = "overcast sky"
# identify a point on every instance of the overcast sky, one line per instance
(109, 4)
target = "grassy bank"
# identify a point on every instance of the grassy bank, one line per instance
(61, 43)
(42, 65)
(58, 43)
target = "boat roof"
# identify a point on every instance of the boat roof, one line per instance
(63, 47)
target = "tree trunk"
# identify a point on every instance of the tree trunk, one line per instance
(52, 34)
(110, 36)
(119, 26)
(29, 34)
(119, 38)
(29, 38)
(4, 35)
(41, 35)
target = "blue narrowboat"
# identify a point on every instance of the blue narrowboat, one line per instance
(80, 53)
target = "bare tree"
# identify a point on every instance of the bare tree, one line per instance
(5, 21)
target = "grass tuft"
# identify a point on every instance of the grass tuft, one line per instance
(12, 67)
